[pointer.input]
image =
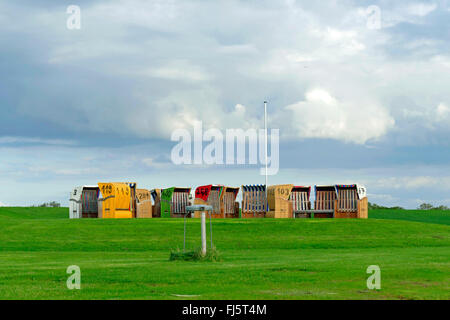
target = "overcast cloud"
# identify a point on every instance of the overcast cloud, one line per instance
(353, 103)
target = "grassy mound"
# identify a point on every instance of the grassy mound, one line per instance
(430, 216)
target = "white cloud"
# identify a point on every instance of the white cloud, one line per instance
(421, 9)
(79, 51)
(437, 118)
(346, 40)
(182, 109)
(441, 60)
(2, 204)
(282, 62)
(144, 68)
(382, 197)
(400, 12)
(161, 66)
(414, 182)
(154, 162)
(179, 70)
(443, 111)
(323, 116)
(237, 49)
(27, 140)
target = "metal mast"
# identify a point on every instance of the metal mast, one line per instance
(266, 146)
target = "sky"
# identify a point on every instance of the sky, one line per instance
(358, 89)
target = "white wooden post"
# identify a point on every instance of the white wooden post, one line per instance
(203, 233)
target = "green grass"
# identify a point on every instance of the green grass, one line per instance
(33, 213)
(195, 255)
(432, 216)
(260, 259)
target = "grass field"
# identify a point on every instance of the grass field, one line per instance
(431, 216)
(261, 259)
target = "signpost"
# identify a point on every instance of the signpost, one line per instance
(203, 209)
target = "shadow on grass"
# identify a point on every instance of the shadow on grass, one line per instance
(212, 255)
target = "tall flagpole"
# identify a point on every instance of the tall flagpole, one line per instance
(266, 146)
